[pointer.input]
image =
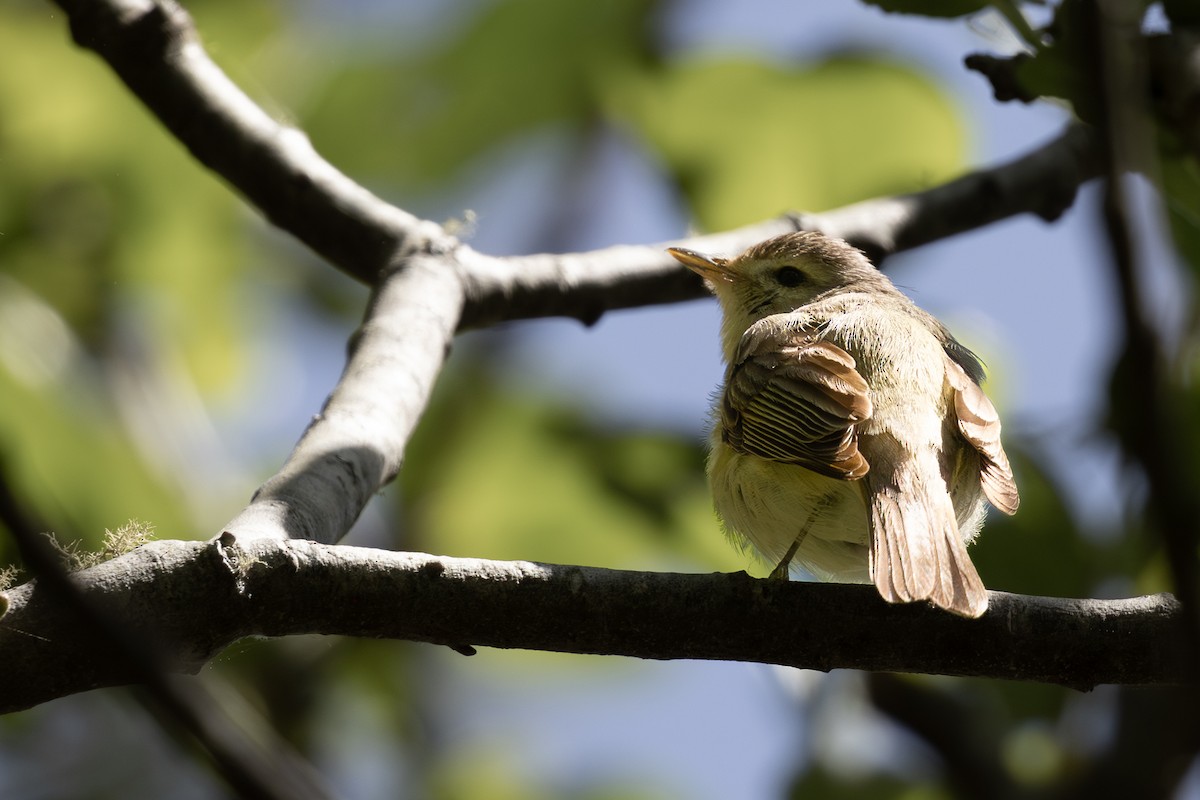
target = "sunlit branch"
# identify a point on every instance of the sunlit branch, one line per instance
(356, 443)
(197, 598)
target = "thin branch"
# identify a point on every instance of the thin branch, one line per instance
(586, 285)
(197, 598)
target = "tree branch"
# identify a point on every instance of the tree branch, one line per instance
(585, 285)
(152, 46)
(356, 444)
(1141, 386)
(197, 598)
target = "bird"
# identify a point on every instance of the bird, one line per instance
(850, 435)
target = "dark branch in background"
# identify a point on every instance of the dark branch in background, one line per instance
(1160, 733)
(1175, 83)
(197, 598)
(950, 724)
(1146, 401)
(1173, 63)
(95, 631)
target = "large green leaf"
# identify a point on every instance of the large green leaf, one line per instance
(517, 66)
(1180, 181)
(545, 484)
(132, 260)
(750, 139)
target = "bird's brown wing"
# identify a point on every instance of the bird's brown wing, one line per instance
(979, 424)
(794, 398)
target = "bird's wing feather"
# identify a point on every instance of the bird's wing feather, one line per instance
(979, 424)
(793, 397)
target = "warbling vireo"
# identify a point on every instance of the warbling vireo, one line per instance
(850, 434)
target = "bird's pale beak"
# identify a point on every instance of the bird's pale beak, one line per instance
(713, 268)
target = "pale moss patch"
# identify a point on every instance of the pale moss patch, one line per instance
(9, 577)
(464, 227)
(130, 536)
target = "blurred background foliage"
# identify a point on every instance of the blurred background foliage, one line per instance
(161, 349)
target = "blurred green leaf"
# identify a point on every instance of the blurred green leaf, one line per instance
(517, 66)
(1180, 181)
(748, 139)
(107, 217)
(818, 781)
(546, 484)
(69, 459)
(123, 272)
(1040, 550)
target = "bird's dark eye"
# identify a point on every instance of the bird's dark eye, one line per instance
(789, 276)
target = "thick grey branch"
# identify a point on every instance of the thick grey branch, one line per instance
(194, 599)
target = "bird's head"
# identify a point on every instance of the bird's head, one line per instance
(780, 275)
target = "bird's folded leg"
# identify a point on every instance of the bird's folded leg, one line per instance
(780, 573)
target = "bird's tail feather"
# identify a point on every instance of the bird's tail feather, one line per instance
(916, 550)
